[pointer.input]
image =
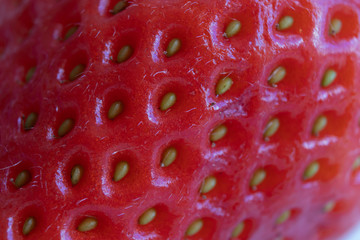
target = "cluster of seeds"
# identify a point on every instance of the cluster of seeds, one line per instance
(169, 155)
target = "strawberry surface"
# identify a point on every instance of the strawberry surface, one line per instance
(159, 119)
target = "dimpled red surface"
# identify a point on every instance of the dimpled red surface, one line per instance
(32, 34)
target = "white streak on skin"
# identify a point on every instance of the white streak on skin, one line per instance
(99, 106)
(324, 142)
(107, 52)
(156, 46)
(150, 111)
(105, 186)
(13, 165)
(10, 228)
(80, 201)
(60, 182)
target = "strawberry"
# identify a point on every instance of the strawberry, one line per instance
(179, 119)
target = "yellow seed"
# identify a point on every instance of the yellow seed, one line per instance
(124, 53)
(223, 85)
(119, 6)
(66, 127)
(319, 125)
(271, 128)
(173, 47)
(276, 76)
(121, 169)
(311, 170)
(208, 184)
(258, 177)
(329, 206)
(218, 133)
(87, 224)
(335, 26)
(30, 74)
(168, 156)
(29, 225)
(76, 174)
(232, 29)
(283, 217)
(70, 32)
(356, 164)
(285, 23)
(76, 72)
(115, 109)
(194, 227)
(167, 101)
(30, 121)
(238, 230)
(147, 216)
(22, 178)
(328, 78)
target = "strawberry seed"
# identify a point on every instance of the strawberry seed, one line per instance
(30, 121)
(168, 156)
(124, 53)
(283, 217)
(276, 76)
(29, 225)
(22, 179)
(66, 127)
(30, 73)
(329, 206)
(167, 101)
(271, 128)
(121, 169)
(218, 133)
(223, 85)
(258, 177)
(70, 32)
(356, 164)
(285, 23)
(76, 174)
(119, 6)
(87, 224)
(319, 125)
(329, 77)
(311, 170)
(76, 72)
(173, 47)
(208, 184)
(115, 109)
(194, 227)
(147, 216)
(238, 230)
(232, 29)
(335, 26)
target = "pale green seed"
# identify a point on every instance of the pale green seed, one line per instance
(76, 174)
(70, 32)
(223, 85)
(258, 177)
(208, 184)
(87, 224)
(173, 47)
(329, 77)
(238, 230)
(30, 73)
(168, 157)
(30, 121)
(121, 170)
(218, 133)
(119, 6)
(285, 23)
(124, 53)
(115, 110)
(232, 29)
(283, 217)
(276, 76)
(329, 206)
(356, 164)
(311, 170)
(147, 217)
(194, 227)
(271, 128)
(335, 26)
(22, 179)
(319, 125)
(167, 101)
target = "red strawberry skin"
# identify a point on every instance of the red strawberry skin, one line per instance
(33, 35)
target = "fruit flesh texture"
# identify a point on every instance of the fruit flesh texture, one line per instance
(143, 131)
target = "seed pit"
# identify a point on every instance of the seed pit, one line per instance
(76, 174)
(173, 47)
(266, 179)
(121, 170)
(321, 169)
(342, 23)
(115, 110)
(208, 184)
(28, 226)
(167, 101)
(65, 127)
(22, 178)
(232, 29)
(87, 224)
(147, 217)
(168, 156)
(30, 121)
(218, 133)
